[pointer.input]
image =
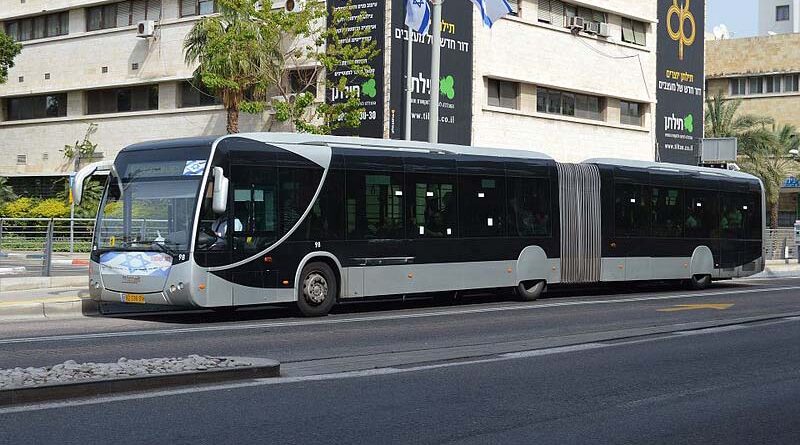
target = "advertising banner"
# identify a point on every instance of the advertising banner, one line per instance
(680, 76)
(370, 90)
(455, 87)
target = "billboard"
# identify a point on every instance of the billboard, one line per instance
(455, 87)
(370, 90)
(680, 77)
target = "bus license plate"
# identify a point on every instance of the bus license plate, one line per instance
(133, 298)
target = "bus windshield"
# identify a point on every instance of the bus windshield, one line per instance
(150, 200)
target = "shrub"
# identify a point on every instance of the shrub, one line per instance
(50, 208)
(18, 208)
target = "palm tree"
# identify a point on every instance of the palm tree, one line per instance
(722, 121)
(770, 155)
(236, 52)
(6, 192)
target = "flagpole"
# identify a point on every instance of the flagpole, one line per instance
(408, 85)
(436, 46)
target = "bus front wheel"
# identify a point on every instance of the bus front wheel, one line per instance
(317, 290)
(530, 290)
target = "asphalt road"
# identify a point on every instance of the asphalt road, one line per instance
(33, 268)
(606, 367)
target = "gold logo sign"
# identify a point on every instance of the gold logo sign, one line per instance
(684, 16)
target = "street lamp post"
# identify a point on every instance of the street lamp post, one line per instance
(436, 47)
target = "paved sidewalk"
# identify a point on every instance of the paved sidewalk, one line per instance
(46, 303)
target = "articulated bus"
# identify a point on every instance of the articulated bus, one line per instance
(265, 218)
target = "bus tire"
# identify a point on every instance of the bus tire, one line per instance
(317, 290)
(700, 282)
(530, 290)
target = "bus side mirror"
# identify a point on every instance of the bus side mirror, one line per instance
(220, 197)
(83, 174)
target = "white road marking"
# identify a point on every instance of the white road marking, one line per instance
(388, 317)
(335, 376)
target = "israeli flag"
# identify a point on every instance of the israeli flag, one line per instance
(418, 15)
(492, 10)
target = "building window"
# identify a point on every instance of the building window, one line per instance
(119, 100)
(197, 7)
(122, 14)
(756, 85)
(738, 87)
(503, 94)
(631, 113)
(634, 31)
(782, 13)
(36, 107)
(773, 84)
(38, 27)
(551, 11)
(568, 104)
(196, 95)
(791, 83)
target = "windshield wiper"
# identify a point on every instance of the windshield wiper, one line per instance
(162, 247)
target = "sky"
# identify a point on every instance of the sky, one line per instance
(740, 16)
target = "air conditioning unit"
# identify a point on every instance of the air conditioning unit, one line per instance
(603, 30)
(293, 5)
(145, 28)
(591, 27)
(576, 24)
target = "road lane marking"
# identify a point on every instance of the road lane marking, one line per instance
(374, 318)
(695, 307)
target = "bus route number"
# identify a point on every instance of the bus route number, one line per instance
(317, 244)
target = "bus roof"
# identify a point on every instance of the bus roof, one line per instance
(664, 166)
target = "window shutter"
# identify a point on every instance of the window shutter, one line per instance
(138, 11)
(557, 13)
(188, 7)
(544, 11)
(154, 10)
(124, 13)
(514, 6)
(599, 17)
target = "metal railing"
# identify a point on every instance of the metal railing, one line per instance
(32, 234)
(779, 244)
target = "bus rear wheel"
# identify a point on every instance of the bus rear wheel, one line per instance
(318, 288)
(700, 282)
(530, 290)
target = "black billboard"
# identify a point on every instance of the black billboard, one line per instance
(455, 98)
(680, 77)
(370, 90)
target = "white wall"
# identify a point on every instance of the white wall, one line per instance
(766, 17)
(521, 49)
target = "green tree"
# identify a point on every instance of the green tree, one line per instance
(770, 155)
(6, 191)
(235, 52)
(9, 49)
(82, 149)
(764, 151)
(343, 42)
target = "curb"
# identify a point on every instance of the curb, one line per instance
(48, 310)
(29, 283)
(261, 368)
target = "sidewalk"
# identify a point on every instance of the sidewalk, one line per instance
(780, 269)
(37, 304)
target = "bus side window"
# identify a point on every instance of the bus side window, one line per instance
(632, 210)
(667, 205)
(433, 211)
(482, 206)
(374, 205)
(702, 214)
(326, 219)
(254, 207)
(528, 207)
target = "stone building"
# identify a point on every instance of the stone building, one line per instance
(538, 82)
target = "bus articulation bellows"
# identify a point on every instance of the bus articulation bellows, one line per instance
(266, 218)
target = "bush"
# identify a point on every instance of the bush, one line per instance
(50, 208)
(18, 208)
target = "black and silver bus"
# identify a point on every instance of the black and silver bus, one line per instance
(254, 219)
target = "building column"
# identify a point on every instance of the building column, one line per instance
(77, 20)
(168, 95)
(76, 103)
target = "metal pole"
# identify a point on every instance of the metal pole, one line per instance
(47, 259)
(409, 84)
(72, 227)
(436, 49)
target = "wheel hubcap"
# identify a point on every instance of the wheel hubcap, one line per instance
(315, 288)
